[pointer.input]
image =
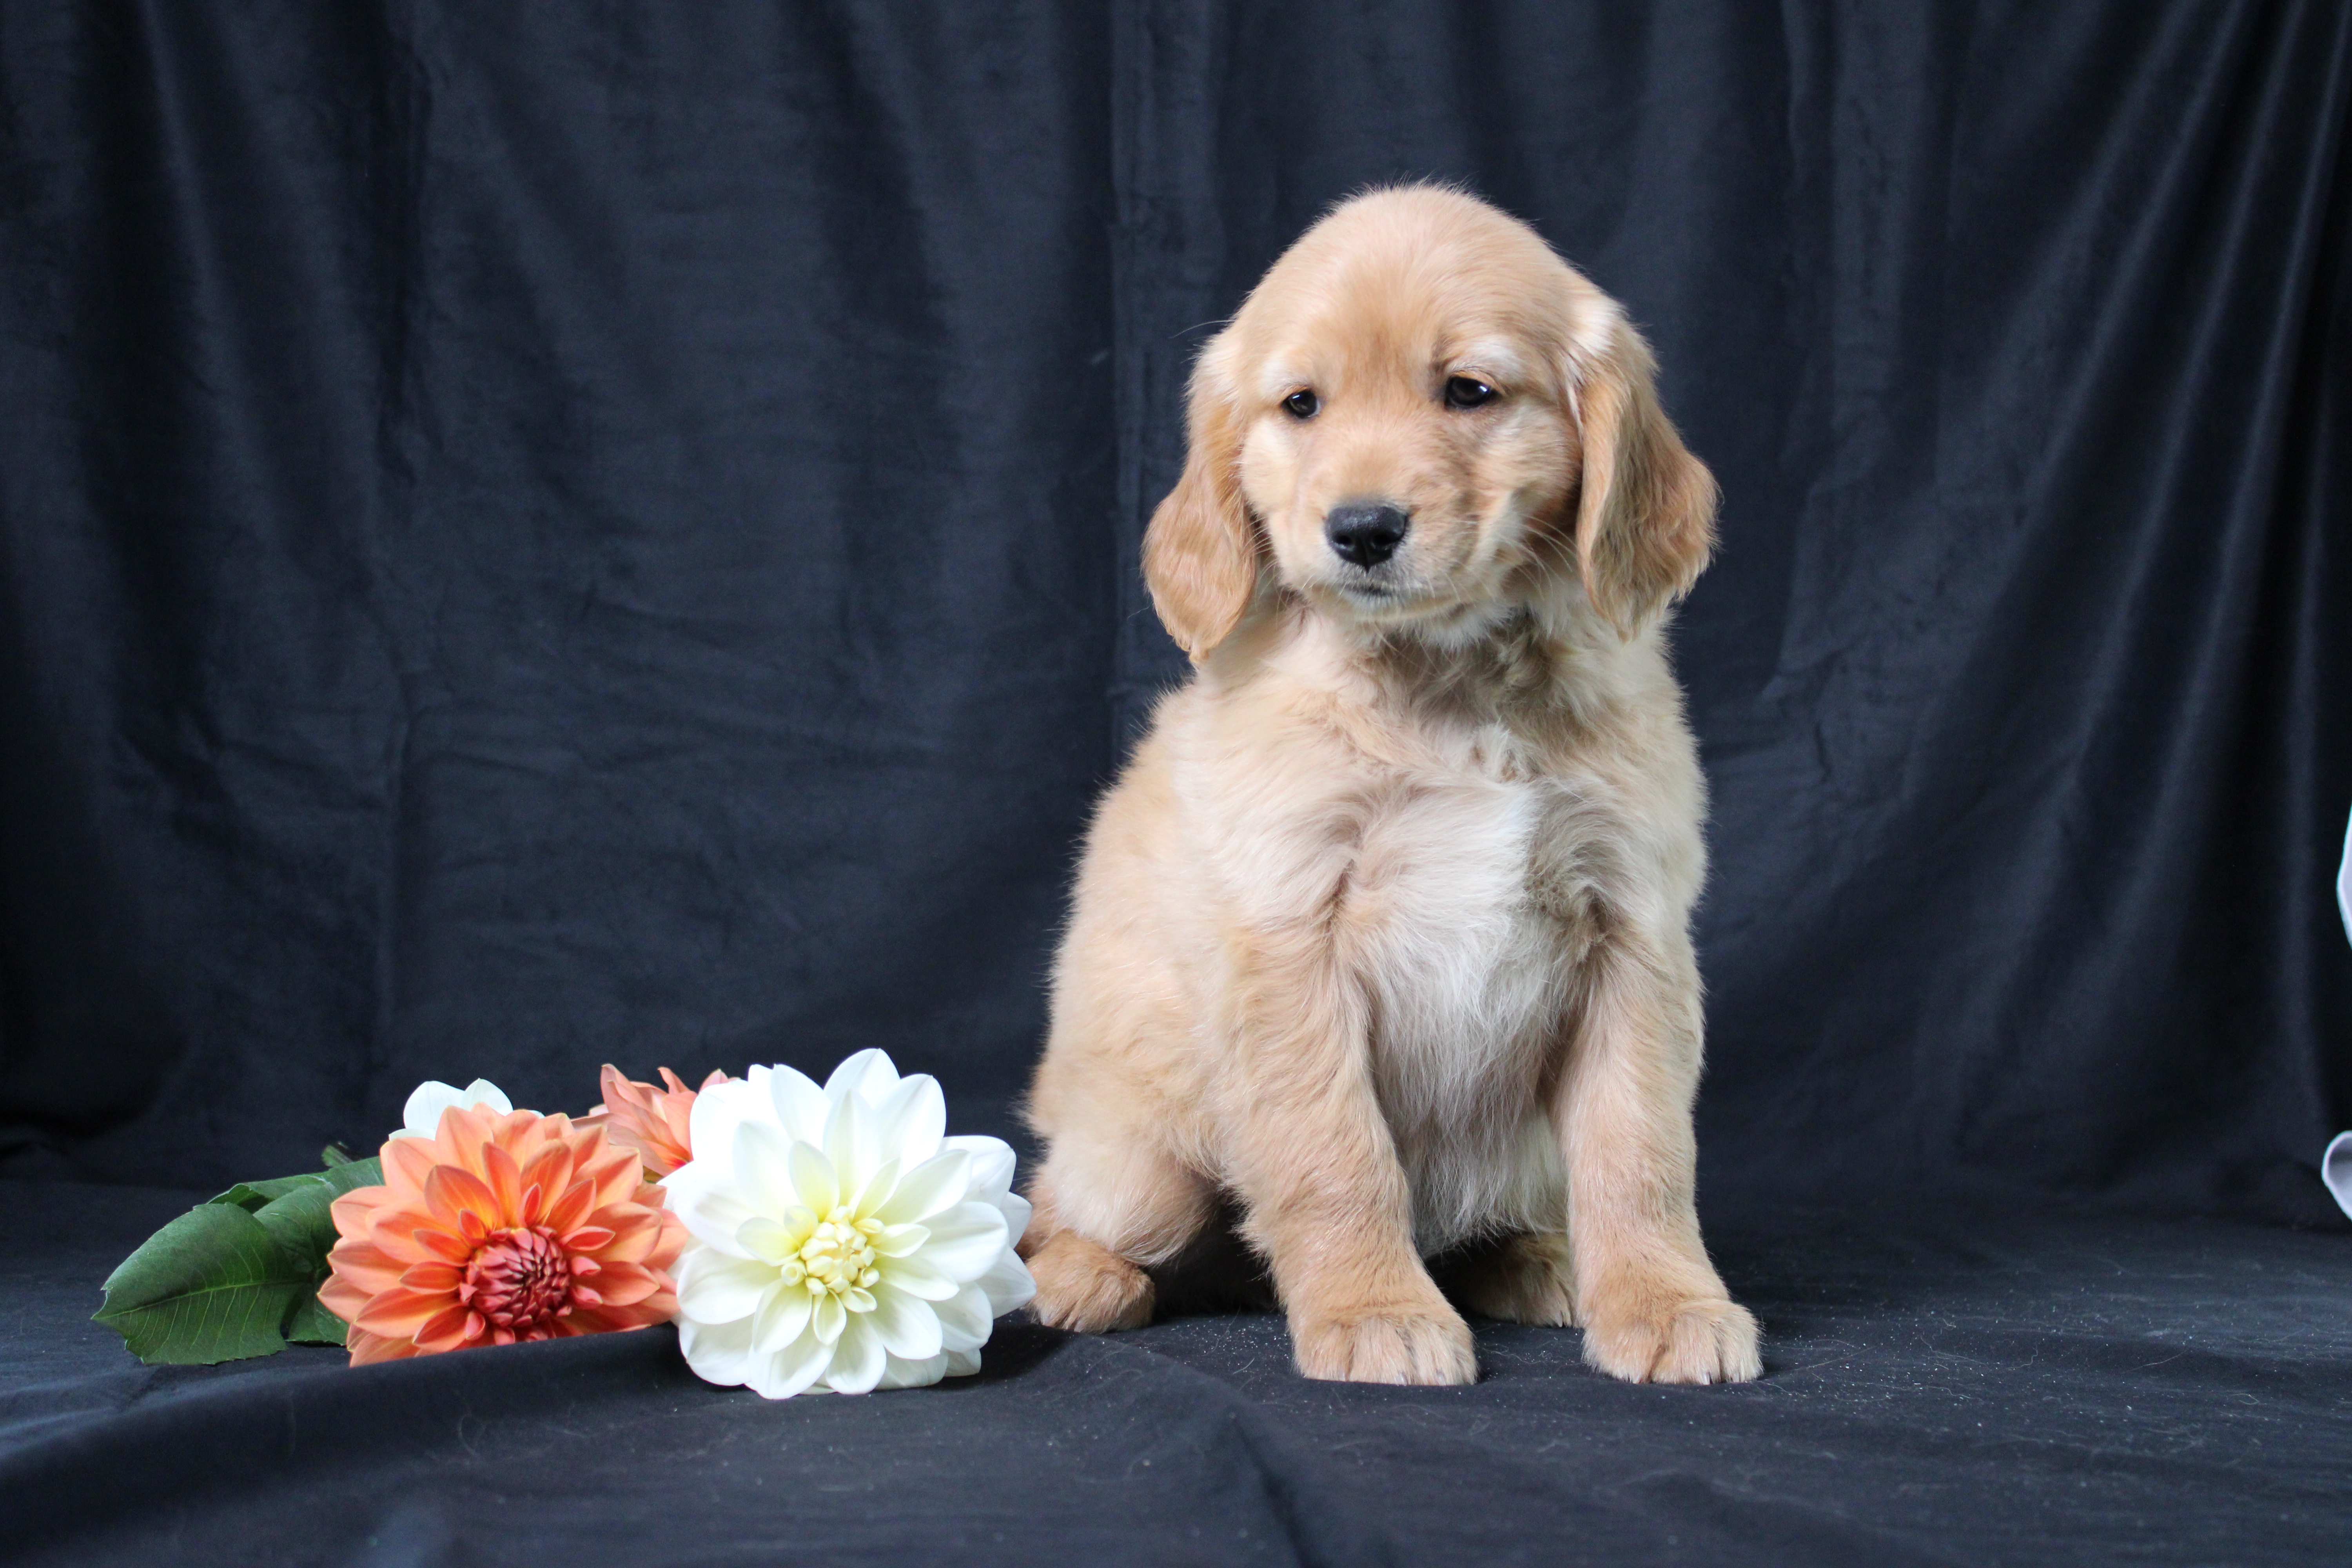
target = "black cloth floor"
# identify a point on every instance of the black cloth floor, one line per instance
(1960, 1385)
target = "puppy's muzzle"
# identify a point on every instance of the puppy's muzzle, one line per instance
(1365, 533)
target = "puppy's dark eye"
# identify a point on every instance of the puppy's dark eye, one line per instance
(1302, 404)
(1466, 392)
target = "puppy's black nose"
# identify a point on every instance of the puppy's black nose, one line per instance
(1364, 533)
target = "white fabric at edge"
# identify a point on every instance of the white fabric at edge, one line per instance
(2335, 1165)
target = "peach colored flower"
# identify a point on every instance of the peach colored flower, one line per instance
(501, 1227)
(651, 1121)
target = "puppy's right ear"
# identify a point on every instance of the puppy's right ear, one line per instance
(1201, 555)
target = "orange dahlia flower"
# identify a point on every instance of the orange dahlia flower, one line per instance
(503, 1226)
(653, 1121)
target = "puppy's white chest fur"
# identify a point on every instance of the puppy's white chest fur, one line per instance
(1467, 974)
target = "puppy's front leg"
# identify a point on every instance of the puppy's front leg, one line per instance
(1653, 1308)
(1324, 1198)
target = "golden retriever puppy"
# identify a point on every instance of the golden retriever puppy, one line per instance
(1383, 935)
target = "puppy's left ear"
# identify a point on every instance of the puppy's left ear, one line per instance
(1645, 515)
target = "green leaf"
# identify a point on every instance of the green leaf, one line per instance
(296, 1215)
(341, 1175)
(352, 1173)
(209, 1287)
(335, 1154)
(250, 1195)
(310, 1324)
(302, 1225)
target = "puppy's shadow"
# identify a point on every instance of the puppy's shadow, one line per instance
(1215, 1274)
(1218, 1273)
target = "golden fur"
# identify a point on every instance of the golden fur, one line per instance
(1383, 933)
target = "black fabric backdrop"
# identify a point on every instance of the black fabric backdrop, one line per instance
(538, 535)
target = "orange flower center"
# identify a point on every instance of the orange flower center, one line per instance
(520, 1279)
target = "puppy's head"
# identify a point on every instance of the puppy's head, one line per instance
(1420, 417)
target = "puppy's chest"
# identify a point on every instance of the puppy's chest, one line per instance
(1465, 928)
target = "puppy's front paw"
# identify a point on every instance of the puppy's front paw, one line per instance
(1409, 1344)
(1699, 1340)
(1084, 1285)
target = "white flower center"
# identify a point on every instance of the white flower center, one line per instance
(838, 1260)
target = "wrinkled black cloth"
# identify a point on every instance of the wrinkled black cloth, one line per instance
(534, 536)
(1942, 1387)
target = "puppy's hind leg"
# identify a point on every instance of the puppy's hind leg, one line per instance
(1103, 1212)
(1525, 1278)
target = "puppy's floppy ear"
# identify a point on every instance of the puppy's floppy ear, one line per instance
(1201, 553)
(1645, 515)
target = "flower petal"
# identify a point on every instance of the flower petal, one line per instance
(899, 1373)
(911, 1118)
(1016, 1211)
(783, 1316)
(962, 1363)
(443, 1278)
(344, 1298)
(713, 1287)
(829, 1318)
(935, 1185)
(796, 1367)
(965, 1320)
(504, 1178)
(626, 1284)
(1008, 1283)
(965, 1241)
(907, 1324)
(901, 1240)
(857, 1359)
(570, 1206)
(918, 1277)
(799, 1105)
(866, 1074)
(365, 1267)
(991, 1161)
(400, 1311)
(763, 1173)
(368, 1348)
(814, 1184)
(453, 1191)
(718, 1110)
(447, 1329)
(768, 1240)
(405, 1158)
(617, 1172)
(718, 1352)
(421, 1117)
(848, 1137)
(876, 1190)
(714, 1218)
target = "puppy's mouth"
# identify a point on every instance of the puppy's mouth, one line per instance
(1398, 589)
(1375, 595)
(1388, 599)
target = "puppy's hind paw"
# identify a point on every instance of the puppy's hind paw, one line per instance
(1681, 1341)
(1423, 1345)
(1084, 1285)
(1523, 1279)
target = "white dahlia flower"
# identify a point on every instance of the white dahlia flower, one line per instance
(838, 1240)
(421, 1117)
